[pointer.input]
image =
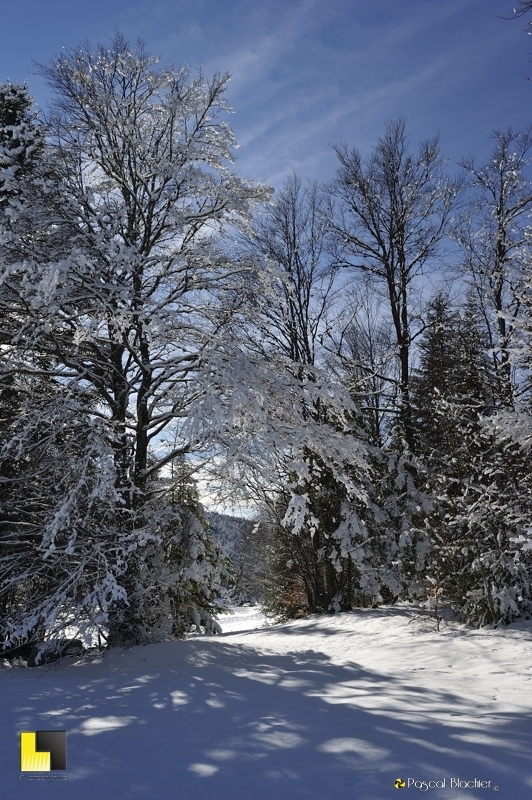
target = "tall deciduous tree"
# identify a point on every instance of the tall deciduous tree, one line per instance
(365, 349)
(117, 258)
(309, 565)
(393, 210)
(493, 238)
(291, 235)
(123, 291)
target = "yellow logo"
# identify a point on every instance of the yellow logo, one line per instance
(399, 783)
(42, 751)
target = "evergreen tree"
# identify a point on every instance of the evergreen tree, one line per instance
(453, 367)
(25, 487)
(21, 141)
(479, 482)
(184, 572)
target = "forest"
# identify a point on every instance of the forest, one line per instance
(349, 362)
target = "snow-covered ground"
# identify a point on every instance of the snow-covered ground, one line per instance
(326, 708)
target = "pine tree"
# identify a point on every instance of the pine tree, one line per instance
(21, 141)
(26, 489)
(453, 367)
(479, 481)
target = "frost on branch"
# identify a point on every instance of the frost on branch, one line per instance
(117, 284)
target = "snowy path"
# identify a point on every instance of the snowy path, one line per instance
(325, 708)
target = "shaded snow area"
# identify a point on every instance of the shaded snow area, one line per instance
(325, 708)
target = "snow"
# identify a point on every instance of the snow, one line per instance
(324, 708)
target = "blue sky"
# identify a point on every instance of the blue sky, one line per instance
(310, 73)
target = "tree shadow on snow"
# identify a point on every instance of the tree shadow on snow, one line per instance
(223, 721)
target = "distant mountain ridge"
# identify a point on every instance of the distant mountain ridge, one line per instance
(242, 543)
(228, 531)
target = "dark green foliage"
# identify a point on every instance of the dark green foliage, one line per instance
(176, 581)
(453, 367)
(20, 139)
(337, 560)
(480, 483)
(307, 571)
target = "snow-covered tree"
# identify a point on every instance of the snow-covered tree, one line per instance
(128, 297)
(492, 236)
(317, 506)
(119, 289)
(20, 145)
(366, 352)
(478, 477)
(291, 318)
(20, 139)
(393, 210)
(453, 366)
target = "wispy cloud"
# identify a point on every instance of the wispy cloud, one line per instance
(307, 74)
